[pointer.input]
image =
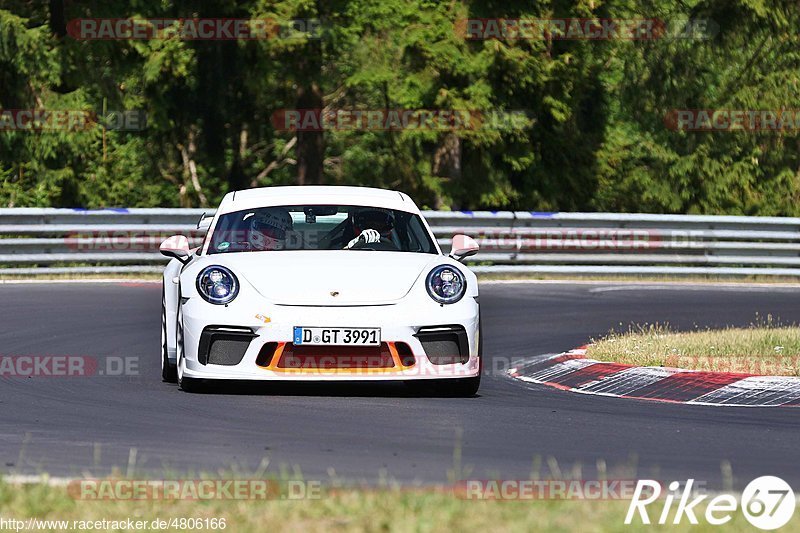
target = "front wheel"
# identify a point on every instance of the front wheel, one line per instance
(460, 387)
(169, 372)
(465, 387)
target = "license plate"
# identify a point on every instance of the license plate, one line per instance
(337, 336)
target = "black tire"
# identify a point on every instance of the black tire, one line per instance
(417, 386)
(464, 387)
(190, 385)
(456, 388)
(169, 372)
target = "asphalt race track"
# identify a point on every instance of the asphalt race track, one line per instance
(77, 425)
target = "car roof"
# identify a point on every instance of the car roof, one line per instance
(316, 194)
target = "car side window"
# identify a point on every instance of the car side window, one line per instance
(418, 238)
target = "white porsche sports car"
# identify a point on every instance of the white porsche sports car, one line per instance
(320, 283)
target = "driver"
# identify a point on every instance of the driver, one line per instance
(268, 227)
(370, 225)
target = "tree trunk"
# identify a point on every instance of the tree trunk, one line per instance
(447, 164)
(310, 144)
(58, 23)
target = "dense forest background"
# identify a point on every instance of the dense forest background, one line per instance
(598, 140)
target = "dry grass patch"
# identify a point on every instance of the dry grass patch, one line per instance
(345, 510)
(764, 348)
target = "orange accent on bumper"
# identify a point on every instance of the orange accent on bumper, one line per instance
(276, 360)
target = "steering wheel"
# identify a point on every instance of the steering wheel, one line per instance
(384, 245)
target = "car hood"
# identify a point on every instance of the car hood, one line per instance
(329, 278)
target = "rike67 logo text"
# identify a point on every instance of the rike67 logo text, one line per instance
(767, 502)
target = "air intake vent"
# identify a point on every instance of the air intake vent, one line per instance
(312, 358)
(406, 355)
(265, 355)
(223, 345)
(444, 345)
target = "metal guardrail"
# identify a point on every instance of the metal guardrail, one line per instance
(48, 240)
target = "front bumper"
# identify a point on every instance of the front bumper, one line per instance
(272, 327)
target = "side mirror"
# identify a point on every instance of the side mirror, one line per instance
(204, 222)
(463, 246)
(176, 246)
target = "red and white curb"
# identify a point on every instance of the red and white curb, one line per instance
(572, 371)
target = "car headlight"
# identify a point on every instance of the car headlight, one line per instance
(217, 285)
(446, 284)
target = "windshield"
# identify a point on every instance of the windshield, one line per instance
(320, 227)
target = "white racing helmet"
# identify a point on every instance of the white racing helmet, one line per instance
(268, 228)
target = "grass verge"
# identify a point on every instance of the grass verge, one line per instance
(764, 348)
(346, 510)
